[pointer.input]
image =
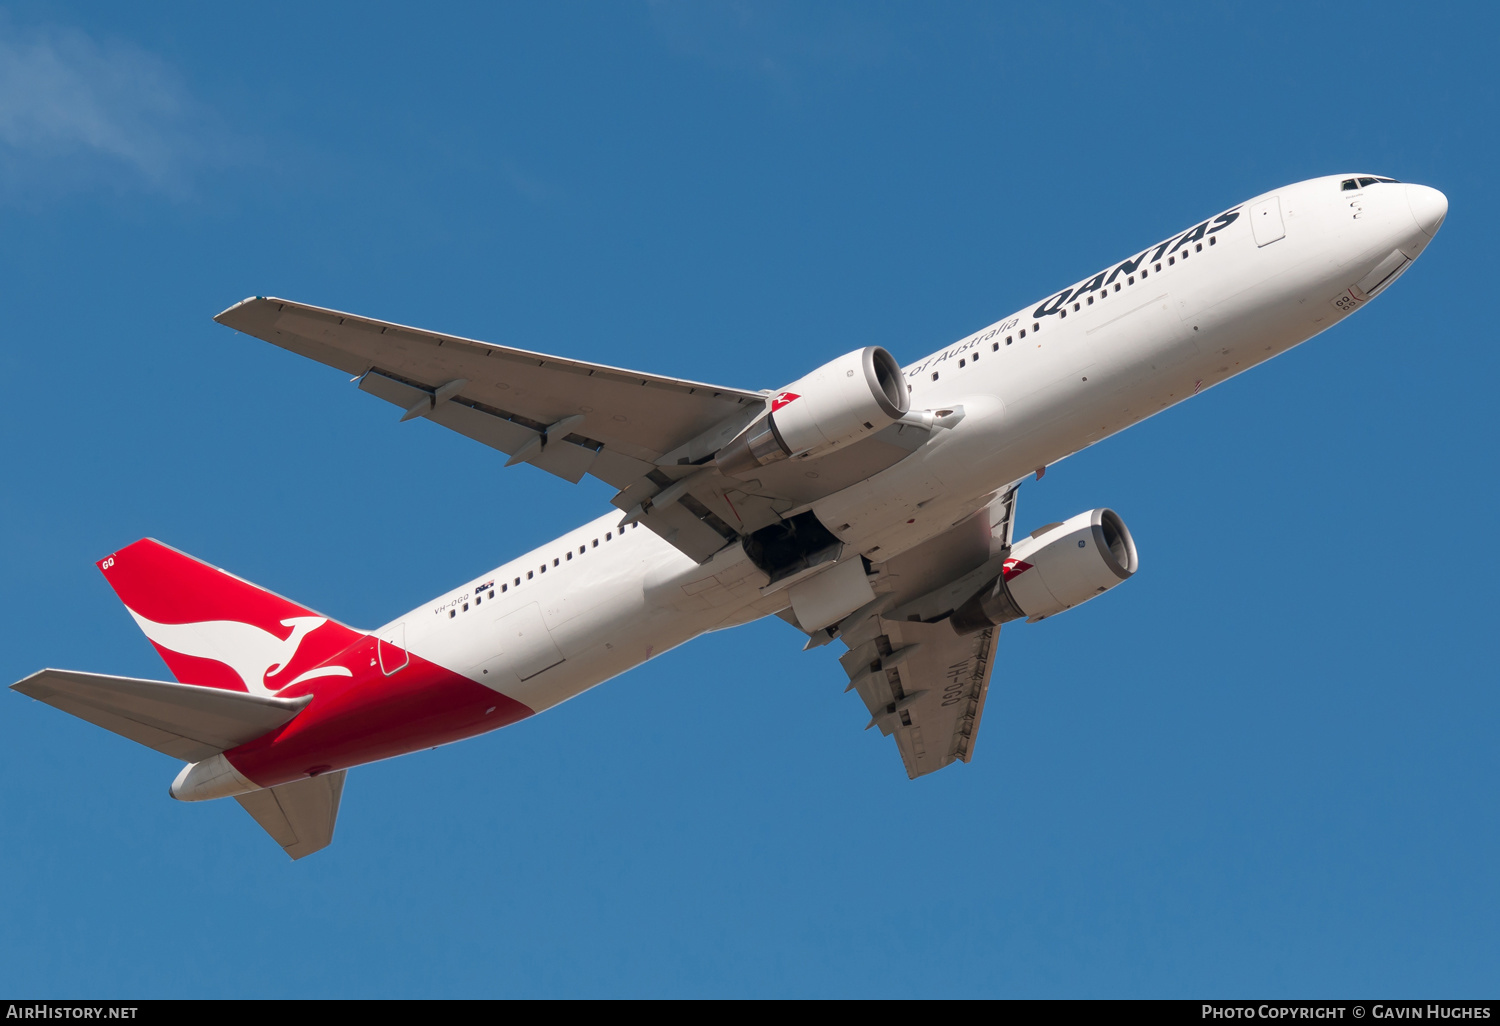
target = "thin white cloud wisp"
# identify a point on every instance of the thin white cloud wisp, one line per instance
(75, 111)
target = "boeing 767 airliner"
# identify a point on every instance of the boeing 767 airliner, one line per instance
(865, 503)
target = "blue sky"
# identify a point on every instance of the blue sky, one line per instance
(1265, 766)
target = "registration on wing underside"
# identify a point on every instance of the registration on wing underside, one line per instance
(924, 685)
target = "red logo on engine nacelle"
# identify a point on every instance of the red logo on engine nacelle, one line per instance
(781, 399)
(1012, 567)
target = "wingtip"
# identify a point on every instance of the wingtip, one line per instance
(18, 689)
(222, 314)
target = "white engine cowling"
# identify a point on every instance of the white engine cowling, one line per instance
(1058, 567)
(838, 404)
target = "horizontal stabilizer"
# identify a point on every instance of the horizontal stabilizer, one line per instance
(181, 720)
(299, 816)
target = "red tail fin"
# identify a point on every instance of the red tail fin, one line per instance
(216, 630)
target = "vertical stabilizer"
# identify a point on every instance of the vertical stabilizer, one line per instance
(216, 630)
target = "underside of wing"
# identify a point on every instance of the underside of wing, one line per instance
(637, 415)
(924, 683)
(926, 686)
(649, 436)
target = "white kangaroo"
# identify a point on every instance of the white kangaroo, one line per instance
(252, 653)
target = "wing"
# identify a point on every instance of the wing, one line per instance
(642, 433)
(926, 685)
(564, 416)
(923, 683)
(511, 395)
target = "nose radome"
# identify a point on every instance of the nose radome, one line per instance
(1428, 206)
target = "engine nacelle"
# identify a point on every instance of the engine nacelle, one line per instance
(838, 404)
(1058, 567)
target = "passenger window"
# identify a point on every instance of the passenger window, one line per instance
(596, 543)
(582, 549)
(997, 347)
(532, 573)
(1171, 261)
(1035, 328)
(1023, 332)
(492, 591)
(1212, 241)
(934, 375)
(607, 536)
(1158, 267)
(1075, 307)
(961, 363)
(1117, 286)
(570, 556)
(452, 613)
(1144, 273)
(1009, 339)
(518, 582)
(1091, 301)
(466, 607)
(1130, 280)
(556, 561)
(504, 587)
(1198, 247)
(478, 599)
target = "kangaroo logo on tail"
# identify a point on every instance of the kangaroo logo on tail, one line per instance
(252, 653)
(217, 630)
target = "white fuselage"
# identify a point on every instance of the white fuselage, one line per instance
(1034, 388)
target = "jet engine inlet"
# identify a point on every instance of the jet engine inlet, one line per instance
(1058, 567)
(837, 404)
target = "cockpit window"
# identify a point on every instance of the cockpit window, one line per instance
(1355, 184)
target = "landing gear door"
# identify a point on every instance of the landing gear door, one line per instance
(1265, 221)
(392, 645)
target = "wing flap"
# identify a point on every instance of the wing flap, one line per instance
(181, 720)
(299, 816)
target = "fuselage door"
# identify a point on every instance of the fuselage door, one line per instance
(1265, 221)
(391, 644)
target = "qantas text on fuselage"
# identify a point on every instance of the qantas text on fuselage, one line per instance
(1057, 305)
(864, 503)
